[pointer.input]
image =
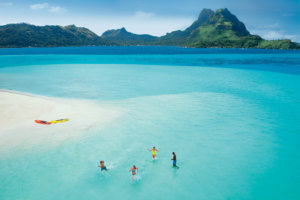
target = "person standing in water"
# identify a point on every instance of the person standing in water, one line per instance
(134, 170)
(174, 160)
(103, 167)
(153, 152)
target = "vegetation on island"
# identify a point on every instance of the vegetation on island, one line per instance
(212, 29)
(123, 37)
(26, 35)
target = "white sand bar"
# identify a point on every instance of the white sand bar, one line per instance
(18, 112)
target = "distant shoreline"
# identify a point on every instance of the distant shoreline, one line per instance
(178, 50)
(181, 47)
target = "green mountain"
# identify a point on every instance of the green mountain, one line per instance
(26, 35)
(211, 29)
(223, 29)
(182, 37)
(123, 37)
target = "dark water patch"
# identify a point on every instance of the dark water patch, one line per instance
(284, 63)
(137, 50)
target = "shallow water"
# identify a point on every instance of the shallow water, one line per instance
(235, 131)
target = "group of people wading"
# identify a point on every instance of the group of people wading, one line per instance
(134, 170)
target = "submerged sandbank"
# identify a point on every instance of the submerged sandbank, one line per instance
(19, 110)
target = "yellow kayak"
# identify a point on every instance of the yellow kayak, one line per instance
(58, 121)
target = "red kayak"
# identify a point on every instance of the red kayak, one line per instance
(42, 122)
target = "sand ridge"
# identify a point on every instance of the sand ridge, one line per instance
(19, 110)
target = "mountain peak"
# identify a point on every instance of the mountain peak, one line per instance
(204, 15)
(122, 36)
(226, 20)
(71, 26)
(205, 12)
(115, 32)
(123, 30)
(223, 10)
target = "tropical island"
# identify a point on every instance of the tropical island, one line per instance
(220, 29)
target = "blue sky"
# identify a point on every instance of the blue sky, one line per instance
(271, 19)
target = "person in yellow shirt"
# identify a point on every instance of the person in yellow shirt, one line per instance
(153, 152)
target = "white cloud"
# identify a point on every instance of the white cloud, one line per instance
(40, 6)
(274, 35)
(50, 8)
(57, 9)
(142, 14)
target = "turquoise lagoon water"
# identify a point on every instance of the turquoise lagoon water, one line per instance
(231, 116)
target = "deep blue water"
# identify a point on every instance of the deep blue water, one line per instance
(231, 115)
(134, 50)
(285, 61)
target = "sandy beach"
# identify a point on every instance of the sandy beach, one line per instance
(20, 110)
